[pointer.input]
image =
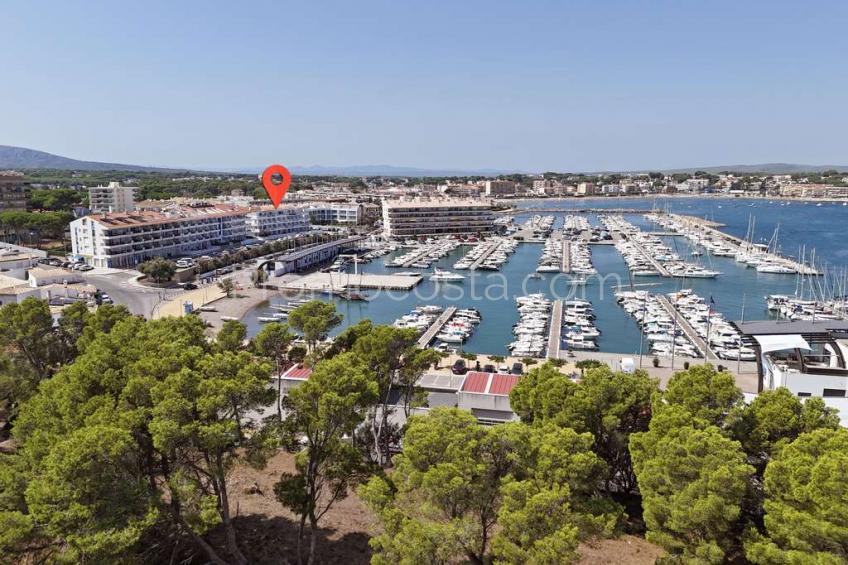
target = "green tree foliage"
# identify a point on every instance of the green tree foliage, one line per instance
(198, 423)
(692, 481)
(27, 329)
(158, 269)
(314, 320)
(158, 413)
(228, 286)
(56, 199)
(394, 358)
(232, 335)
(707, 394)
(273, 342)
(456, 480)
(777, 417)
(609, 405)
(322, 415)
(806, 502)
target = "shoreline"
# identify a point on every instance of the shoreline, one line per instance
(716, 196)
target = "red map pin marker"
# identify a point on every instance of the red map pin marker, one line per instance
(276, 191)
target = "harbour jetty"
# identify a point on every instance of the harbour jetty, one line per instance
(690, 332)
(436, 326)
(555, 330)
(566, 256)
(737, 244)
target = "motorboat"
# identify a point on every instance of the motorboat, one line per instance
(446, 276)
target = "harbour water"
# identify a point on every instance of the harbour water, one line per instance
(493, 292)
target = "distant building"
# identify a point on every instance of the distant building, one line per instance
(13, 191)
(814, 191)
(111, 198)
(500, 188)
(415, 218)
(586, 189)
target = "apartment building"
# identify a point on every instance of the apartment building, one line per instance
(349, 213)
(275, 223)
(13, 191)
(585, 189)
(500, 188)
(125, 239)
(111, 198)
(814, 191)
(416, 218)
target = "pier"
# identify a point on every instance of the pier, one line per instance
(566, 256)
(436, 326)
(708, 227)
(423, 252)
(555, 330)
(690, 332)
(319, 282)
(484, 256)
(654, 263)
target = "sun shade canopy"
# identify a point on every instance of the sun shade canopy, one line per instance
(780, 342)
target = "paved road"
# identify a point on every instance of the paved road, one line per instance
(140, 300)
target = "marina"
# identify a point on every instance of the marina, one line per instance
(436, 326)
(321, 282)
(740, 292)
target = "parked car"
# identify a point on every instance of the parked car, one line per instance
(188, 286)
(489, 368)
(459, 367)
(86, 268)
(517, 369)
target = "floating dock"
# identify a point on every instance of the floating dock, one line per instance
(565, 267)
(690, 332)
(436, 326)
(555, 330)
(319, 282)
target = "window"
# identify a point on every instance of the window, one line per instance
(833, 392)
(804, 394)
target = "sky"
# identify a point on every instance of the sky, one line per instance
(525, 85)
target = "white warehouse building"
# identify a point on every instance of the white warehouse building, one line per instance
(126, 239)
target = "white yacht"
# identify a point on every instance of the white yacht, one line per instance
(446, 276)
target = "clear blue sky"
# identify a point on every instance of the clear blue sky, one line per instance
(533, 85)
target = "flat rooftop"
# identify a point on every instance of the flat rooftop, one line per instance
(316, 282)
(437, 203)
(783, 327)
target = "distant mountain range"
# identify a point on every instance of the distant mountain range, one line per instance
(22, 158)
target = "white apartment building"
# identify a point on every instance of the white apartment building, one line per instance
(126, 239)
(500, 188)
(415, 218)
(111, 198)
(350, 213)
(274, 223)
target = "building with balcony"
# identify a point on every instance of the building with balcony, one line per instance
(500, 188)
(13, 191)
(275, 223)
(426, 218)
(111, 198)
(348, 213)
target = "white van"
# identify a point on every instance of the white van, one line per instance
(628, 365)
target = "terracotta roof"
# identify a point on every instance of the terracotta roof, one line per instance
(489, 383)
(297, 372)
(475, 382)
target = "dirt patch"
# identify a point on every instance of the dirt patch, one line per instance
(626, 550)
(267, 532)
